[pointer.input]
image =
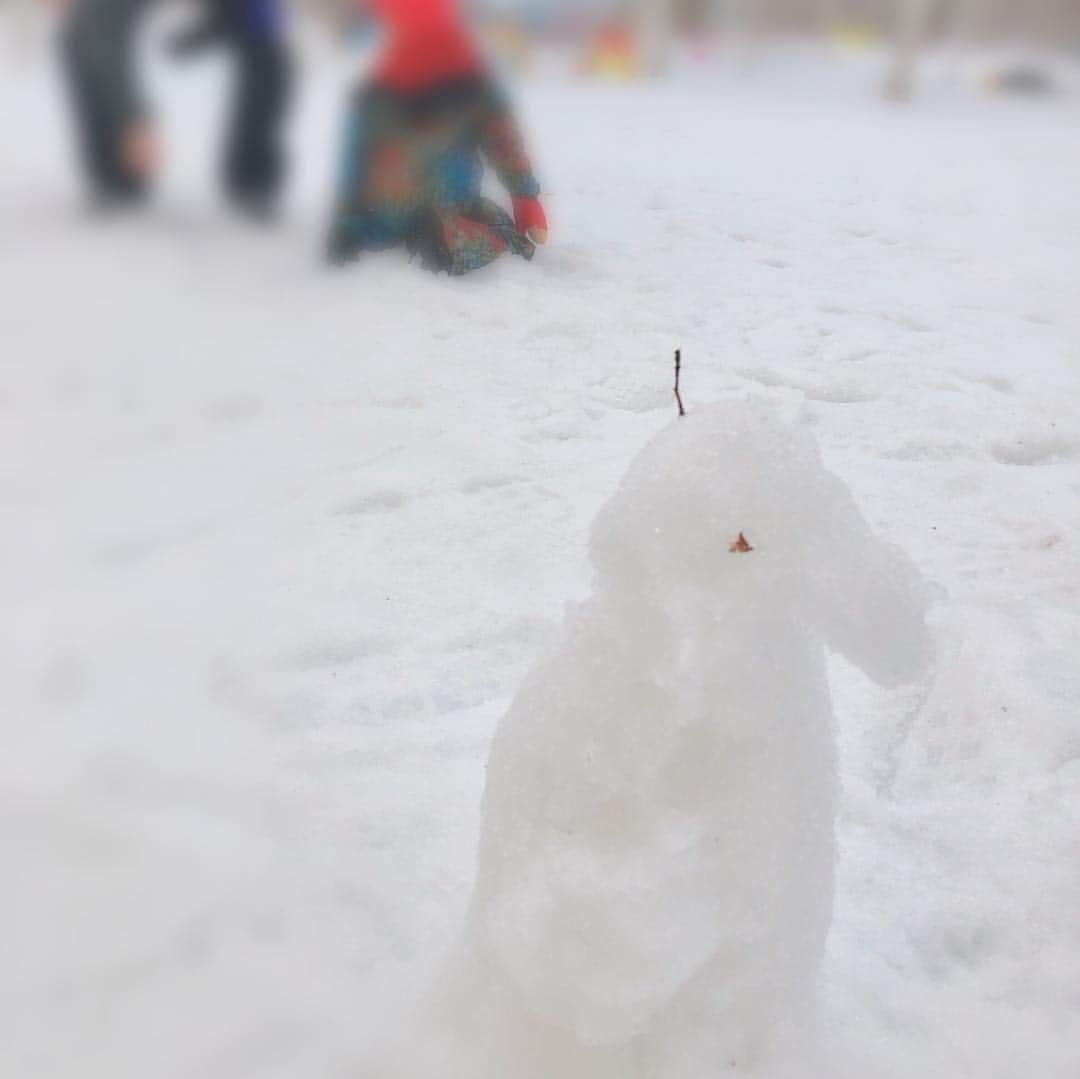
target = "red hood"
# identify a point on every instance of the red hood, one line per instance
(416, 14)
(428, 44)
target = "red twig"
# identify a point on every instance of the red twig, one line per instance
(678, 373)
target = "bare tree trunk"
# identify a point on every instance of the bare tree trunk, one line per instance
(963, 23)
(829, 17)
(731, 23)
(655, 29)
(911, 26)
(23, 29)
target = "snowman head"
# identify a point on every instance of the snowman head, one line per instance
(671, 540)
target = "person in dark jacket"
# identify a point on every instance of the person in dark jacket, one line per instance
(419, 134)
(119, 145)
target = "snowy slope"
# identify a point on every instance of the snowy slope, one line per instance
(284, 544)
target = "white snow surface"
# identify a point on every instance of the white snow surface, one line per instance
(281, 546)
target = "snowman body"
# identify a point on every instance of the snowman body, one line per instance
(656, 868)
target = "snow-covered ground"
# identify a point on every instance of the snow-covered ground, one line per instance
(280, 545)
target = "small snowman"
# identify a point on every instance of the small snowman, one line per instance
(655, 879)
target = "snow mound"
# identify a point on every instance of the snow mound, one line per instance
(656, 865)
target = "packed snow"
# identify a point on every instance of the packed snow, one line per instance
(284, 546)
(655, 878)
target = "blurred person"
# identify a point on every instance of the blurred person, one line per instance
(121, 150)
(419, 131)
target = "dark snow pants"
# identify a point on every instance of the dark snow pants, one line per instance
(254, 159)
(101, 117)
(97, 54)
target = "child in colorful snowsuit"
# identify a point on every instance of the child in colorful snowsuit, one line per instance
(418, 134)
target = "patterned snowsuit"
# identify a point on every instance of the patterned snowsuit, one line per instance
(412, 173)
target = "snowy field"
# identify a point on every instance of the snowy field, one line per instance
(280, 546)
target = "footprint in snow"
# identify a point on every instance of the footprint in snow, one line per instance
(858, 355)
(840, 394)
(481, 484)
(1035, 451)
(907, 322)
(557, 431)
(995, 382)
(836, 392)
(316, 655)
(374, 502)
(401, 403)
(234, 409)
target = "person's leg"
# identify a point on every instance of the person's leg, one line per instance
(254, 165)
(350, 230)
(99, 137)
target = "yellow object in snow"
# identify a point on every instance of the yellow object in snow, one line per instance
(853, 37)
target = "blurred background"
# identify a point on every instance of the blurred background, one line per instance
(623, 39)
(280, 543)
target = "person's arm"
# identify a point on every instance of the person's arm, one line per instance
(504, 147)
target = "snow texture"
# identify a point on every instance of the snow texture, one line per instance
(657, 854)
(281, 546)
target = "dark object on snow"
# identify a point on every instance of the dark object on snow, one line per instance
(254, 161)
(678, 377)
(99, 62)
(419, 134)
(1024, 79)
(741, 545)
(412, 173)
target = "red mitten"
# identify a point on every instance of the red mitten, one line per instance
(530, 220)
